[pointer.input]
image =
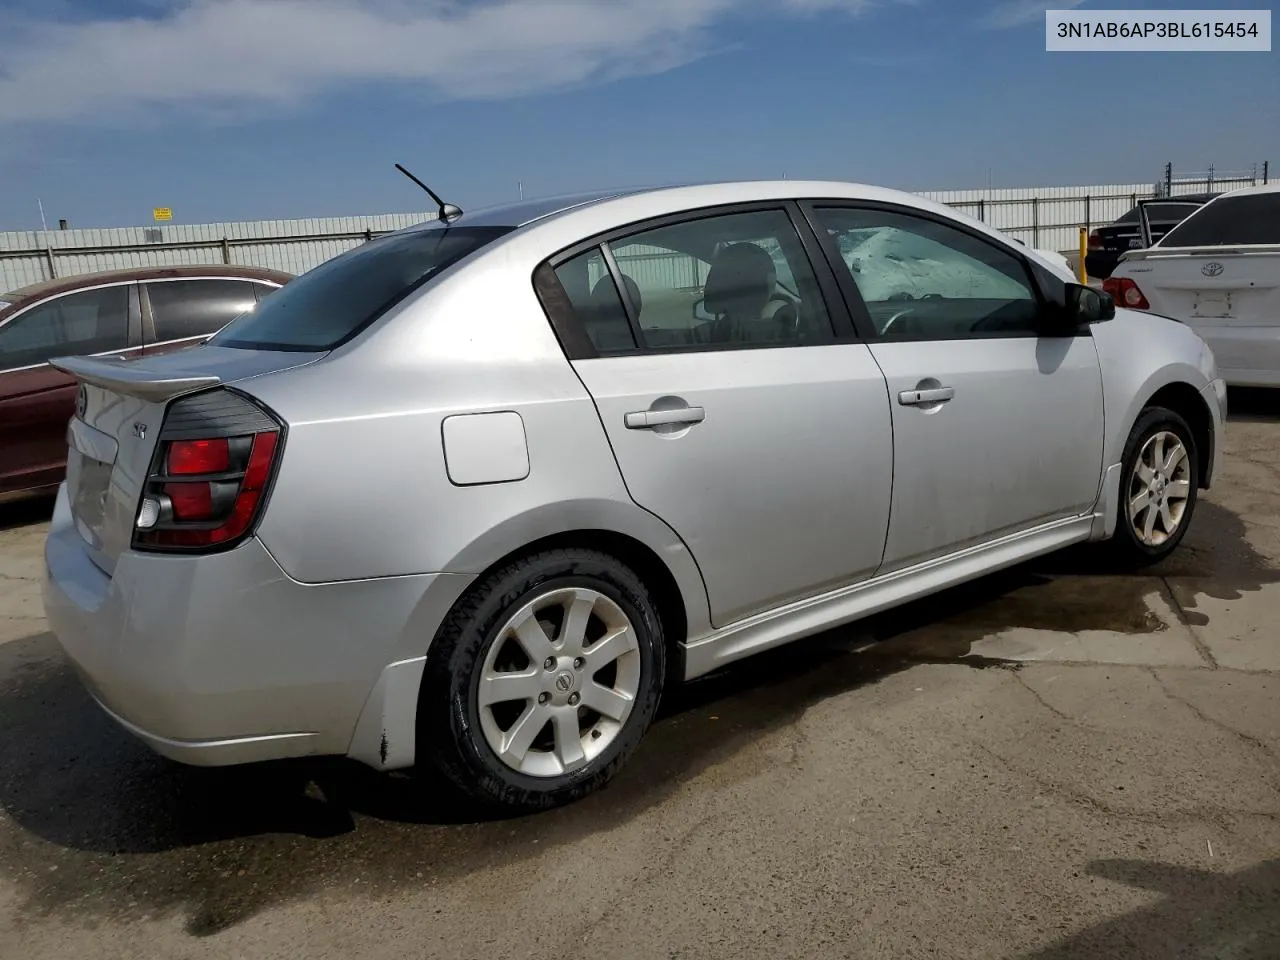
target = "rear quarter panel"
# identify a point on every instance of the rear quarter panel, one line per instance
(363, 490)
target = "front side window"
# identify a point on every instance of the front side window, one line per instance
(922, 279)
(1228, 222)
(196, 308)
(78, 324)
(738, 279)
(330, 304)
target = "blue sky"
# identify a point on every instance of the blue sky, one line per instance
(255, 109)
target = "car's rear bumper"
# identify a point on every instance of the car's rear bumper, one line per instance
(224, 659)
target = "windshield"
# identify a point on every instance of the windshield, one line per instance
(329, 305)
(1231, 221)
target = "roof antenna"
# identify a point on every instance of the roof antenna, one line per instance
(448, 212)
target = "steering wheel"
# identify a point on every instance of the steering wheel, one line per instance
(906, 311)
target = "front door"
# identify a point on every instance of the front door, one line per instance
(996, 429)
(732, 414)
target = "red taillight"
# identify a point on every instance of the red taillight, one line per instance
(199, 456)
(190, 501)
(234, 470)
(1126, 293)
(1095, 241)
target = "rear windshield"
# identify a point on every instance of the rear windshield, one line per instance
(1232, 221)
(327, 306)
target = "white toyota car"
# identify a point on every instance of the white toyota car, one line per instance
(1218, 272)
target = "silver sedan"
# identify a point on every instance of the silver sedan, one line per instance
(470, 496)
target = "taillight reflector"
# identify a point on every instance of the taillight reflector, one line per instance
(190, 501)
(199, 456)
(1126, 293)
(1095, 240)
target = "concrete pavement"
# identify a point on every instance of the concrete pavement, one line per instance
(1049, 763)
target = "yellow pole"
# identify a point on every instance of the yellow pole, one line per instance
(1081, 272)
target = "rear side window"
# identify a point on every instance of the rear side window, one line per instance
(329, 305)
(196, 308)
(1231, 221)
(1171, 211)
(79, 324)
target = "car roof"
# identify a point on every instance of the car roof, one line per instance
(1254, 191)
(46, 288)
(678, 197)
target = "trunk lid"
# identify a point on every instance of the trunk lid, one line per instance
(120, 408)
(1210, 286)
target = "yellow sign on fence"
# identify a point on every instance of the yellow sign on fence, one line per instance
(162, 213)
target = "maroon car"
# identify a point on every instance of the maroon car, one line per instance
(125, 313)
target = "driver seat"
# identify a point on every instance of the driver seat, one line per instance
(740, 284)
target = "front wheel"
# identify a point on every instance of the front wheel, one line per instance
(1159, 481)
(542, 680)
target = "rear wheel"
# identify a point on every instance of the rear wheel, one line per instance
(542, 680)
(1159, 482)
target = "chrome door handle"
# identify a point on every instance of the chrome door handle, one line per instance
(644, 419)
(915, 398)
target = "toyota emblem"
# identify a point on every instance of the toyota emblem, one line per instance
(82, 401)
(1213, 269)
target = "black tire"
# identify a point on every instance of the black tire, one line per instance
(1126, 548)
(450, 735)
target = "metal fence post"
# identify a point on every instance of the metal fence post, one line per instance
(226, 251)
(1088, 212)
(1266, 170)
(982, 210)
(1035, 221)
(53, 270)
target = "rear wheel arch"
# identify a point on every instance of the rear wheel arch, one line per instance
(641, 558)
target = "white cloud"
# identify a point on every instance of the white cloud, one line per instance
(240, 54)
(1017, 13)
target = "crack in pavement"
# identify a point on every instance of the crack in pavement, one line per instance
(1213, 721)
(1076, 721)
(1183, 618)
(1202, 813)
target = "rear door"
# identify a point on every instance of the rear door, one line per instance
(37, 401)
(180, 312)
(1219, 272)
(734, 413)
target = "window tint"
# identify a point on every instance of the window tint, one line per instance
(738, 279)
(194, 308)
(1170, 211)
(93, 321)
(595, 302)
(332, 303)
(1228, 222)
(924, 280)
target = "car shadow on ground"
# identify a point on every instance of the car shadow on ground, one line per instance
(1201, 914)
(24, 512)
(1253, 404)
(95, 820)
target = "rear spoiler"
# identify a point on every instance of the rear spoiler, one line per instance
(130, 380)
(1235, 251)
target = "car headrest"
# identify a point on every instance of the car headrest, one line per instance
(740, 282)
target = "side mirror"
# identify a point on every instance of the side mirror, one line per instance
(1085, 305)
